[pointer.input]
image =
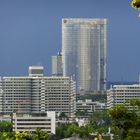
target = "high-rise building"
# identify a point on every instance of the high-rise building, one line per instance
(57, 69)
(37, 93)
(84, 52)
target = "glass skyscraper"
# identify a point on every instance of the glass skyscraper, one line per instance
(84, 52)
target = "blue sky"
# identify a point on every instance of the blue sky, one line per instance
(30, 33)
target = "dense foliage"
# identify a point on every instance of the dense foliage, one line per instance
(126, 123)
(38, 135)
(136, 4)
(68, 130)
(100, 121)
(5, 126)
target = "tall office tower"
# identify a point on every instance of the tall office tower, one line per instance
(84, 52)
(57, 69)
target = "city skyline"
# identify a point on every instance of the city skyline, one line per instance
(31, 33)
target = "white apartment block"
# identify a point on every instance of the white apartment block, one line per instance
(89, 106)
(30, 122)
(37, 93)
(120, 94)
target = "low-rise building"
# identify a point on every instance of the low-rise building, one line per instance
(6, 118)
(120, 94)
(30, 122)
(89, 106)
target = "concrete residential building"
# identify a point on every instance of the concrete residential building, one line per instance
(15, 95)
(30, 122)
(37, 93)
(84, 52)
(57, 68)
(120, 94)
(89, 106)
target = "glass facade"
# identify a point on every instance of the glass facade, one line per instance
(84, 52)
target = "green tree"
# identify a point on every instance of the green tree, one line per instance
(63, 116)
(68, 130)
(136, 4)
(40, 135)
(5, 126)
(61, 131)
(8, 136)
(125, 123)
(135, 102)
(100, 121)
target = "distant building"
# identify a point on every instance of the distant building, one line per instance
(36, 71)
(57, 68)
(89, 106)
(37, 93)
(84, 52)
(30, 122)
(120, 94)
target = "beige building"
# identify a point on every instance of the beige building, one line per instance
(57, 68)
(37, 93)
(120, 94)
(89, 106)
(30, 122)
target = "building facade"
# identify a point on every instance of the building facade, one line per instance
(89, 106)
(34, 94)
(120, 94)
(57, 68)
(84, 52)
(30, 122)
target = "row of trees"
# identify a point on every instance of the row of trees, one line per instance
(38, 135)
(124, 123)
(68, 130)
(98, 123)
(73, 130)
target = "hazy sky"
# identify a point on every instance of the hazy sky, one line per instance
(30, 33)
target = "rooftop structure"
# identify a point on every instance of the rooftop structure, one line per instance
(36, 71)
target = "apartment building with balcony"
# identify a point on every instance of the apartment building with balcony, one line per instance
(120, 94)
(37, 93)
